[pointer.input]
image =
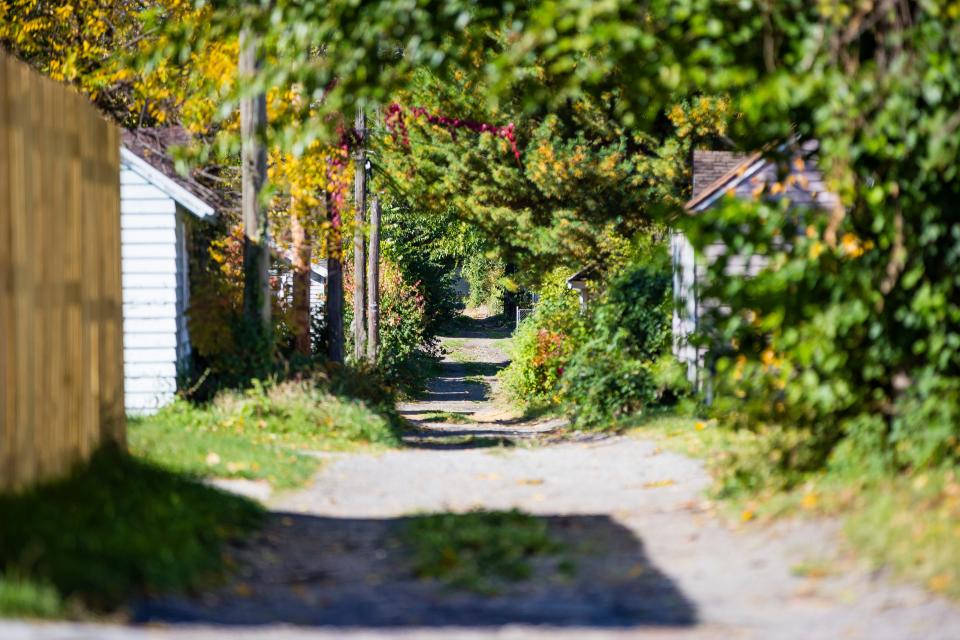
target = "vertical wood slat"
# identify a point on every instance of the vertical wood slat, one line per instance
(61, 357)
(7, 357)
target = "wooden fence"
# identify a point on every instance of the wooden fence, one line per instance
(61, 356)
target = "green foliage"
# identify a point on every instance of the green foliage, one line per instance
(260, 433)
(408, 347)
(24, 598)
(479, 550)
(484, 276)
(543, 344)
(426, 247)
(615, 372)
(115, 528)
(582, 182)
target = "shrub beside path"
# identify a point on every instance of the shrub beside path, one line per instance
(650, 558)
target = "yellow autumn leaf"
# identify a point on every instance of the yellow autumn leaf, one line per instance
(659, 483)
(939, 582)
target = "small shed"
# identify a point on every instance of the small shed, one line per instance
(157, 208)
(580, 282)
(717, 174)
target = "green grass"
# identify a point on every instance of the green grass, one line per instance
(479, 550)
(446, 417)
(115, 528)
(454, 348)
(260, 434)
(908, 522)
(25, 598)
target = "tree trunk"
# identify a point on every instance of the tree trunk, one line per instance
(359, 257)
(334, 306)
(256, 229)
(373, 282)
(301, 280)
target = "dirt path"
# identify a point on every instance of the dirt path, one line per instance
(650, 559)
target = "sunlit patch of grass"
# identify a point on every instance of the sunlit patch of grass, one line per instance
(446, 417)
(454, 347)
(261, 433)
(912, 524)
(480, 550)
(476, 380)
(24, 598)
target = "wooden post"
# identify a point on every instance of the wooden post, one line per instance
(373, 282)
(302, 256)
(359, 257)
(256, 229)
(334, 305)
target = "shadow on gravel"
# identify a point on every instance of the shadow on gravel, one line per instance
(459, 443)
(453, 384)
(466, 327)
(332, 572)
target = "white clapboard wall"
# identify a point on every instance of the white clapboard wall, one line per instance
(153, 222)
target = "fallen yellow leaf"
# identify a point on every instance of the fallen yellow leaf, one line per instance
(658, 483)
(809, 500)
(532, 481)
(747, 515)
(700, 425)
(939, 582)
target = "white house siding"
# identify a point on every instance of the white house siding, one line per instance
(685, 314)
(154, 291)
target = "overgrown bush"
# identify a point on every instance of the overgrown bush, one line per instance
(543, 344)
(227, 350)
(419, 244)
(484, 276)
(407, 346)
(616, 371)
(814, 345)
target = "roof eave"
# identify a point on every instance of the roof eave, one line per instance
(187, 200)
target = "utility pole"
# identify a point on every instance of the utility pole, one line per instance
(334, 306)
(256, 229)
(373, 282)
(359, 253)
(302, 269)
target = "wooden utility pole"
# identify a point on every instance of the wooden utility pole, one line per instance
(373, 282)
(334, 307)
(256, 229)
(359, 254)
(302, 257)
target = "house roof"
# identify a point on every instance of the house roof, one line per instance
(584, 275)
(716, 173)
(146, 150)
(713, 171)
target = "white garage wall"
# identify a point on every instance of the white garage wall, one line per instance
(152, 298)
